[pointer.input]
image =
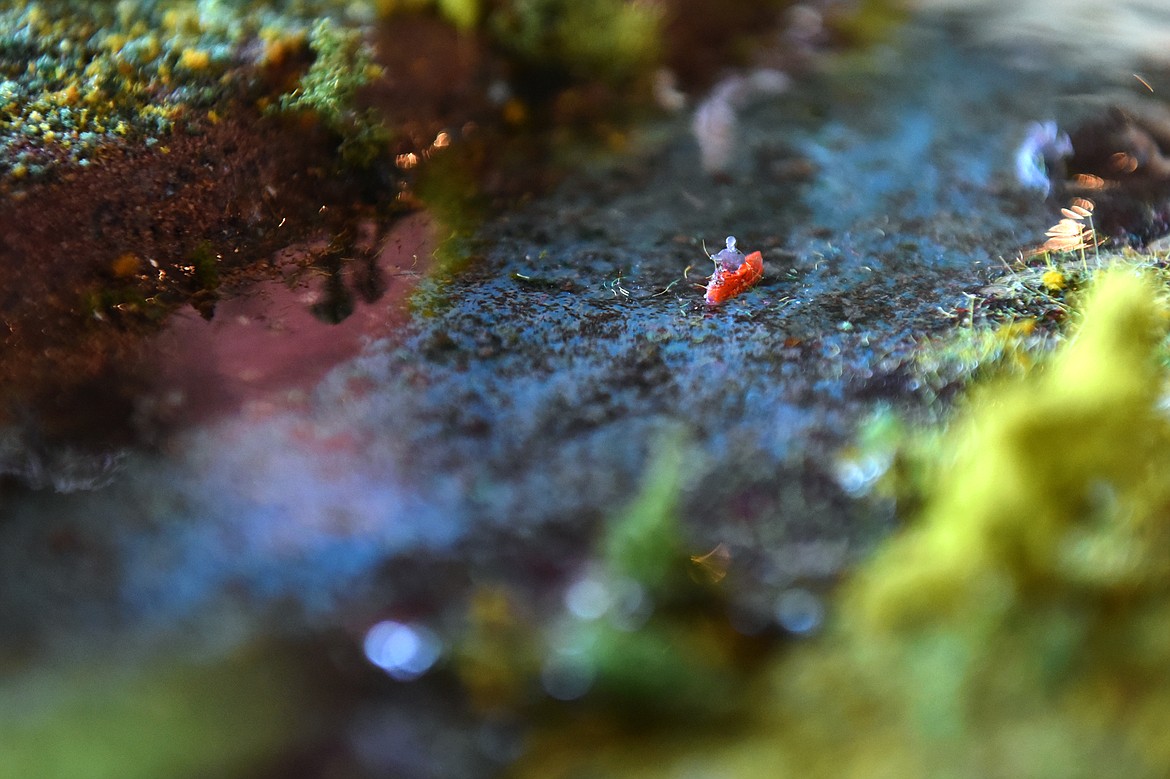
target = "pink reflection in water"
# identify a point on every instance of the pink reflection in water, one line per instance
(266, 350)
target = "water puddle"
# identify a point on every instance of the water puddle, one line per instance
(271, 346)
(354, 450)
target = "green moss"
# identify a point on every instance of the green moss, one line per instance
(980, 351)
(656, 650)
(610, 40)
(996, 634)
(868, 21)
(77, 76)
(184, 719)
(464, 14)
(205, 265)
(643, 541)
(1017, 627)
(343, 63)
(447, 186)
(1015, 319)
(1038, 458)
(647, 649)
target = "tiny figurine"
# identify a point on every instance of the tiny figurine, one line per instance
(733, 273)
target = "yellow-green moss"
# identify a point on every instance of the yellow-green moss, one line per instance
(1016, 628)
(464, 14)
(343, 63)
(77, 75)
(608, 40)
(1073, 446)
(178, 717)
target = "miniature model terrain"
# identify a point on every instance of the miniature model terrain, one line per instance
(565, 389)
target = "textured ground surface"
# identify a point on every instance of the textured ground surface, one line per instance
(480, 435)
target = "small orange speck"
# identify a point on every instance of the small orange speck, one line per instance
(70, 95)
(515, 112)
(125, 265)
(280, 47)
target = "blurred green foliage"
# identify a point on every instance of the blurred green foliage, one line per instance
(1016, 628)
(660, 655)
(610, 40)
(173, 717)
(645, 649)
(643, 541)
(75, 76)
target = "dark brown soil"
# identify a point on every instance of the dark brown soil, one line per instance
(111, 249)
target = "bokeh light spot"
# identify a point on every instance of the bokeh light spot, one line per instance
(588, 598)
(566, 675)
(402, 650)
(799, 611)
